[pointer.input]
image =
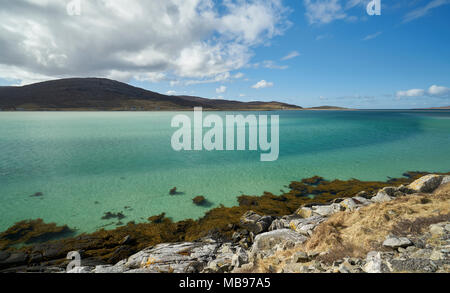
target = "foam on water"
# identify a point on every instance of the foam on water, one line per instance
(125, 159)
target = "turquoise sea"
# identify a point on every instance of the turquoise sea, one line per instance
(125, 159)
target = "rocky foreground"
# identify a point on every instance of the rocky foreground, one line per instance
(400, 229)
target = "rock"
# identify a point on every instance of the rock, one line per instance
(279, 224)
(361, 200)
(239, 258)
(107, 269)
(350, 204)
(364, 194)
(381, 196)
(304, 212)
(18, 258)
(327, 210)
(437, 255)
(265, 242)
(255, 223)
(306, 226)
(4, 255)
(445, 180)
(396, 242)
(373, 263)
(80, 270)
(439, 229)
(426, 183)
(300, 257)
(199, 200)
(346, 268)
(182, 257)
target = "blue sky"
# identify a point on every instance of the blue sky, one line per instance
(305, 52)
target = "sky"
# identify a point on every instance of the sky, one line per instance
(303, 52)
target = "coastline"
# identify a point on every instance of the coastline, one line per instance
(37, 248)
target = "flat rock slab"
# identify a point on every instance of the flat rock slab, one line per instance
(397, 242)
(267, 241)
(171, 257)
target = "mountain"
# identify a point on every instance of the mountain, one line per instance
(80, 94)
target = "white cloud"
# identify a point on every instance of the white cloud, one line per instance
(424, 10)
(145, 40)
(262, 84)
(291, 55)
(221, 89)
(272, 65)
(372, 36)
(439, 91)
(171, 93)
(411, 93)
(323, 11)
(433, 91)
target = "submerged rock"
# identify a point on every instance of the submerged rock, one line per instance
(199, 200)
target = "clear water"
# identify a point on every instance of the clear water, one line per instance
(125, 159)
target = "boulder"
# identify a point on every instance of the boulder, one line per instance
(440, 228)
(255, 223)
(279, 224)
(304, 212)
(327, 210)
(185, 257)
(397, 242)
(427, 183)
(373, 263)
(265, 242)
(381, 196)
(349, 204)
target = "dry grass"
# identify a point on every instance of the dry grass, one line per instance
(354, 234)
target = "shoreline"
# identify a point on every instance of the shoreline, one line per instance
(110, 246)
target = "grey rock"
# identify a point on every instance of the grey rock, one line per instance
(300, 257)
(327, 210)
(397, 242)
(373, 263)
(255, 223)
(381, 197)
(426, 183)
(265, 242)
(173, 257)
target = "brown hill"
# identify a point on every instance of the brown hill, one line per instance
(76, 94)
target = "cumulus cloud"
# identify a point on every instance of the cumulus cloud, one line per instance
(262, 84)
(439, 91)
(291, 55)
(123, 39)
(433, 91)
(221, 89)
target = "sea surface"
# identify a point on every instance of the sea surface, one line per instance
(89, 163)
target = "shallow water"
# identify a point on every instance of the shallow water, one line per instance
(120, 159)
